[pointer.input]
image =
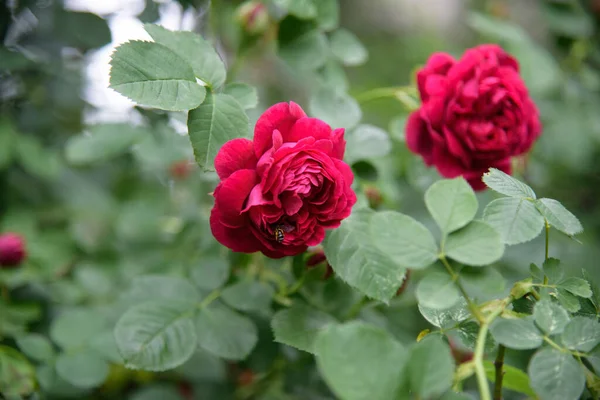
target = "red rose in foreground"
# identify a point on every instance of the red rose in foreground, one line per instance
(12, 250)
(279, 192)
(476, 113)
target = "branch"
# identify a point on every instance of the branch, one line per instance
(499, 364)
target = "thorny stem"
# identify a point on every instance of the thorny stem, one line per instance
(484, 389)
(472, 307)
(547, 237)
(499, 364)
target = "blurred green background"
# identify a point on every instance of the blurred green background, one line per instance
(97, 210)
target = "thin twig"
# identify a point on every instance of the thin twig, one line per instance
(499, 364)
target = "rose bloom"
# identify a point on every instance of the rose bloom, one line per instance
(476, 113)
(279, 192)
(12, 250)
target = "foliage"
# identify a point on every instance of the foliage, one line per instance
(427, 290)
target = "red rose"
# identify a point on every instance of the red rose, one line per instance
(279, 192)
(12, 250)
(476, 113)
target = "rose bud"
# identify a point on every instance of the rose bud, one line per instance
(317, 258)
(180, 169)
(253, 17)
(245, 378)
(476, 113)
(374, 196)
(281, 191)
(460, 356)
(12, 250)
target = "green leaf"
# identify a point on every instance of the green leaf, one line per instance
(360, 361)
(366, 141)
(555, 375)
(337, 109)
(101, 143)
(520, 334)
(507, 185)
(150, 287)
(153, 75)
(351, 251)
(306, 52)
(446, 318)
(7, 139)
(36, 159)
(36, 346)
(581, 334)
(451, 203)
(482, 282)
(211, 273)
(225, 333)
(156, 392)
(346, 47)
(567, 300)
(397, 128)
(431, 367)
(517, 220)
(303, 9)
(197, 52)
(328, 14)
(218, 120)
(553, 270)
(333, 75)
(17, 376)
(577, 286)
(476, 244)
(559, 217)
(156, 336)
(495, 28)
(249, 296)
(513, 378)
(75, 328)
(550, 317)
(204, 366)
(403, 239)
(437, 290)
(468, 333)
(246, 95)
(299, 326)
(84, 369)
(105, 344)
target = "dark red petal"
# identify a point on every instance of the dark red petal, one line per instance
(235, 155)
(418, 139)
(339, 144)
(306, 127)
(232, 194)
(237, 239)
(280, 116)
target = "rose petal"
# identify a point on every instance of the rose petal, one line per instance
(235, 155)
(237, 239)
(232, 194)
(282, 117)
(308, 127)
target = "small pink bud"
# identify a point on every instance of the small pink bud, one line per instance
(316, 258)
(12, 250)
(374, 196)
(253, 16)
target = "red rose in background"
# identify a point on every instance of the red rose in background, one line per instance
(279, 192)
(476, 113)
(12, 250)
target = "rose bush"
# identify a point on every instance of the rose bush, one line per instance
(289, 181)
(476, 113)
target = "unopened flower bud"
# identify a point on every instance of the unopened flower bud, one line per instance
(317, 258)
(253, 16)
(374, 196)
(12, 250)
(180, 169)
(245, 378)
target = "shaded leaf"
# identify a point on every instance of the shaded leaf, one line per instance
(299, 326)
(451, 203)
(555, 375)
(347, 48)
(437, 290)
(153, 75)
(520, 334)
(476, 244)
